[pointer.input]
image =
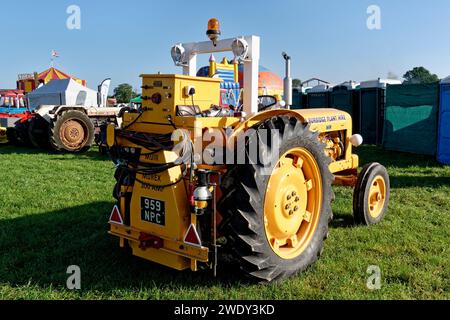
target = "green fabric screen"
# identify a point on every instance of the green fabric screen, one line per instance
(410, 123)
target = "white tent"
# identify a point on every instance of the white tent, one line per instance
(62, 92)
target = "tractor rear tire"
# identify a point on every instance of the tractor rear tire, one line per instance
(72, 131)
(18, 135)
(371, 194)
(38, 132)
(11, 135)
(249, 212)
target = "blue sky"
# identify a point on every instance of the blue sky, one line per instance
(326, 39)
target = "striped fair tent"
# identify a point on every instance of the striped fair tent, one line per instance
(45, 77)
(55, 74)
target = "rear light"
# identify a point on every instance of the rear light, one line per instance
(149, 241)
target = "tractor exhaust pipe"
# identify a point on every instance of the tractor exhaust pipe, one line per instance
(287, 83)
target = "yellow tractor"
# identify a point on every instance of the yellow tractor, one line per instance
(196, 174)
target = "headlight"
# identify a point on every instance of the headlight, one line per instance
(282, 103)
(177, 53)
(240, 48)
(356, 140)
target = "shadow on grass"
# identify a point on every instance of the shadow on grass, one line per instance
(397, 159)
(39, 248)
(401, 181)
(92, 153)
(342, 220)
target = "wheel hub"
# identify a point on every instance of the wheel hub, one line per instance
(292, 203)
(72, 134)
(377, 196)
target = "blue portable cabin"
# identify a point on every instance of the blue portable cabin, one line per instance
(342, 96)
(299, 96)
(443, 144)
(370, 115)
(319, 96)
(345, 97)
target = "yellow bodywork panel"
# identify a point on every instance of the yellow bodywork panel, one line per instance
(176, 208)
(172, 90)
(320, 120)
(110, 134)
(170, 247)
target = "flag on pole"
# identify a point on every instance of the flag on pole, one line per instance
(55, 54)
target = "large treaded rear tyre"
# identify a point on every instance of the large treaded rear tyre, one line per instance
(72, 131)
(244, 210)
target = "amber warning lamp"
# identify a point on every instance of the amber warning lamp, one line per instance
(213, 31)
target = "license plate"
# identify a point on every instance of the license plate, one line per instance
(153, 211)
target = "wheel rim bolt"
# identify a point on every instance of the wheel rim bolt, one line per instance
(288, 197)
(291, 212)
(287, 206)
(297, 199)
(294, 193)
(295, 208)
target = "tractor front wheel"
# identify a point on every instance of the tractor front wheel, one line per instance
(276, 216)
(72, 131)
(371, 194)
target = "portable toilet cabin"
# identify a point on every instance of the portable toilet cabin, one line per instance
(299, 97)
(345, 97)
(443, 144)
(370, 115)
(319, 96)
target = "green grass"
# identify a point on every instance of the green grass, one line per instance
(54, 210)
